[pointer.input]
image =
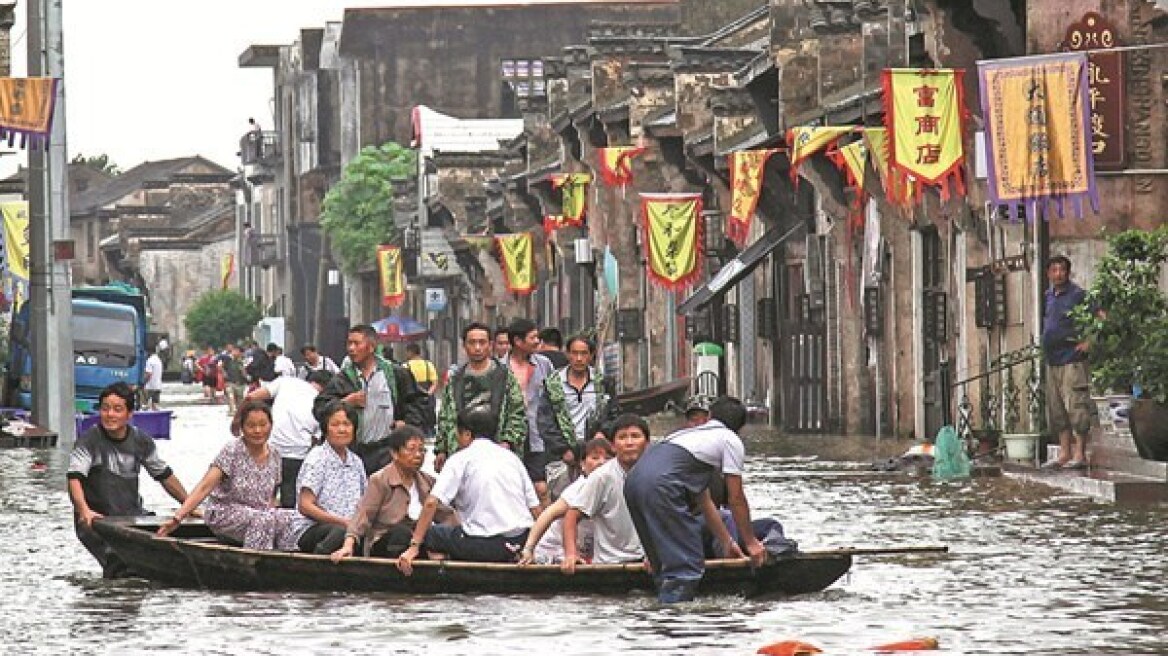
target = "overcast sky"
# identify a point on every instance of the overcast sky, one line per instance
(156, 79)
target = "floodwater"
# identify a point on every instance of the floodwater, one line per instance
(1030, 571)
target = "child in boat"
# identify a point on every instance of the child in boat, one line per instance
(330, 485)
(103, 473)
(242, 484)
(489, 487)
(601, 498)
(545, 543)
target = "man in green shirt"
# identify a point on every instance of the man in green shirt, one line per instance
(481, 381)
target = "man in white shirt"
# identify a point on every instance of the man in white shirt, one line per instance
(283, 364)
(314, 361)
(602, 499)
(153, 382)
(661, 491)
(489, 488)
(294, 427)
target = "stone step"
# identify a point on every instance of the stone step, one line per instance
(1099, 484)
(1130, 464)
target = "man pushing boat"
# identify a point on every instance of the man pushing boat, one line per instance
(662, 489)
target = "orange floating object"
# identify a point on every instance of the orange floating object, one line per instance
(915, 644)
(789, 648)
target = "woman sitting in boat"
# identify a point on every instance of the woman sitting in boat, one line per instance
(242, 484)
(332, 481)
(389, 510)
(545, 543)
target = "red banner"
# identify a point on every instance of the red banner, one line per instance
(616, 167)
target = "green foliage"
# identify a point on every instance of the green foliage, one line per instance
(220, 317)
(1129, 345)
(100, 163)
(358, 211)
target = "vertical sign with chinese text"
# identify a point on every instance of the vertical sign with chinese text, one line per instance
(1105, 77)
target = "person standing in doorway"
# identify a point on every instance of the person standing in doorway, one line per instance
(1070, 410)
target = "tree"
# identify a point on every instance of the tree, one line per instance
(101, 163)
(358, 211)
(219, 317)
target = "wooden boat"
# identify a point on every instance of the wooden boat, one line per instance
(658, 398)
(192, 557)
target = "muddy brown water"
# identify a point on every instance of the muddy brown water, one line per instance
(1030, 570)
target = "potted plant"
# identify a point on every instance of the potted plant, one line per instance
(1129, 339)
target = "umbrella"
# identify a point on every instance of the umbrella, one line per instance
(400, 329)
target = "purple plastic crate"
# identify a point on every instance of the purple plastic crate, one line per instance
(153, 423)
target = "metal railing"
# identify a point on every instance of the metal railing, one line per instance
(259, 148)
(1012, 398)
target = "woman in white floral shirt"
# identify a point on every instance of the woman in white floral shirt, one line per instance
(329, 487)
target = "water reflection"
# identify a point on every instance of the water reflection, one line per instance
(1030, 571)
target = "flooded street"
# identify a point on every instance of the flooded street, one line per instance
(1030, 571)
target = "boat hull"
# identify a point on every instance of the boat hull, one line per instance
(191, 559)
(658, 398)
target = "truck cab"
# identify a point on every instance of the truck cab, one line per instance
(109, 344)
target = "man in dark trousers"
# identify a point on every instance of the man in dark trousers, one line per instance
(662, 489)
(384, 392)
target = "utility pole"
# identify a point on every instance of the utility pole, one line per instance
(51, 296)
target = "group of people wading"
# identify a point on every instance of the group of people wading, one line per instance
(535, 464)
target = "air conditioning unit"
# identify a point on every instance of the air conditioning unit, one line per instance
(583, 251)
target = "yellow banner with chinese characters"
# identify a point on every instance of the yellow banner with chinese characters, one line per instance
(924, 112)
(803, 142)
(226, 268)
(673, 233)
(897, 189)
(852, 158)
(574, 187)
(26, 107)
(518, 262)
(389, 266)
(1038, 139)
(15, 254)
(616, 167)
(746, 169)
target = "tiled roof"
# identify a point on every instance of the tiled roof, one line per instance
(100, 195)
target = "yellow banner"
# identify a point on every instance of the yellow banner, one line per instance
(746, 169)
(26, 106)
(852, 159)
(803, 142)
(924, 109)
(897, 190)
(389, 266)
(518, 262)
(672, 226)
(616, 167)
(1038, 136)
(15, 239)
(575, 195)
(226, 268)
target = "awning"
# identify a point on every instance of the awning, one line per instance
(736, 269)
